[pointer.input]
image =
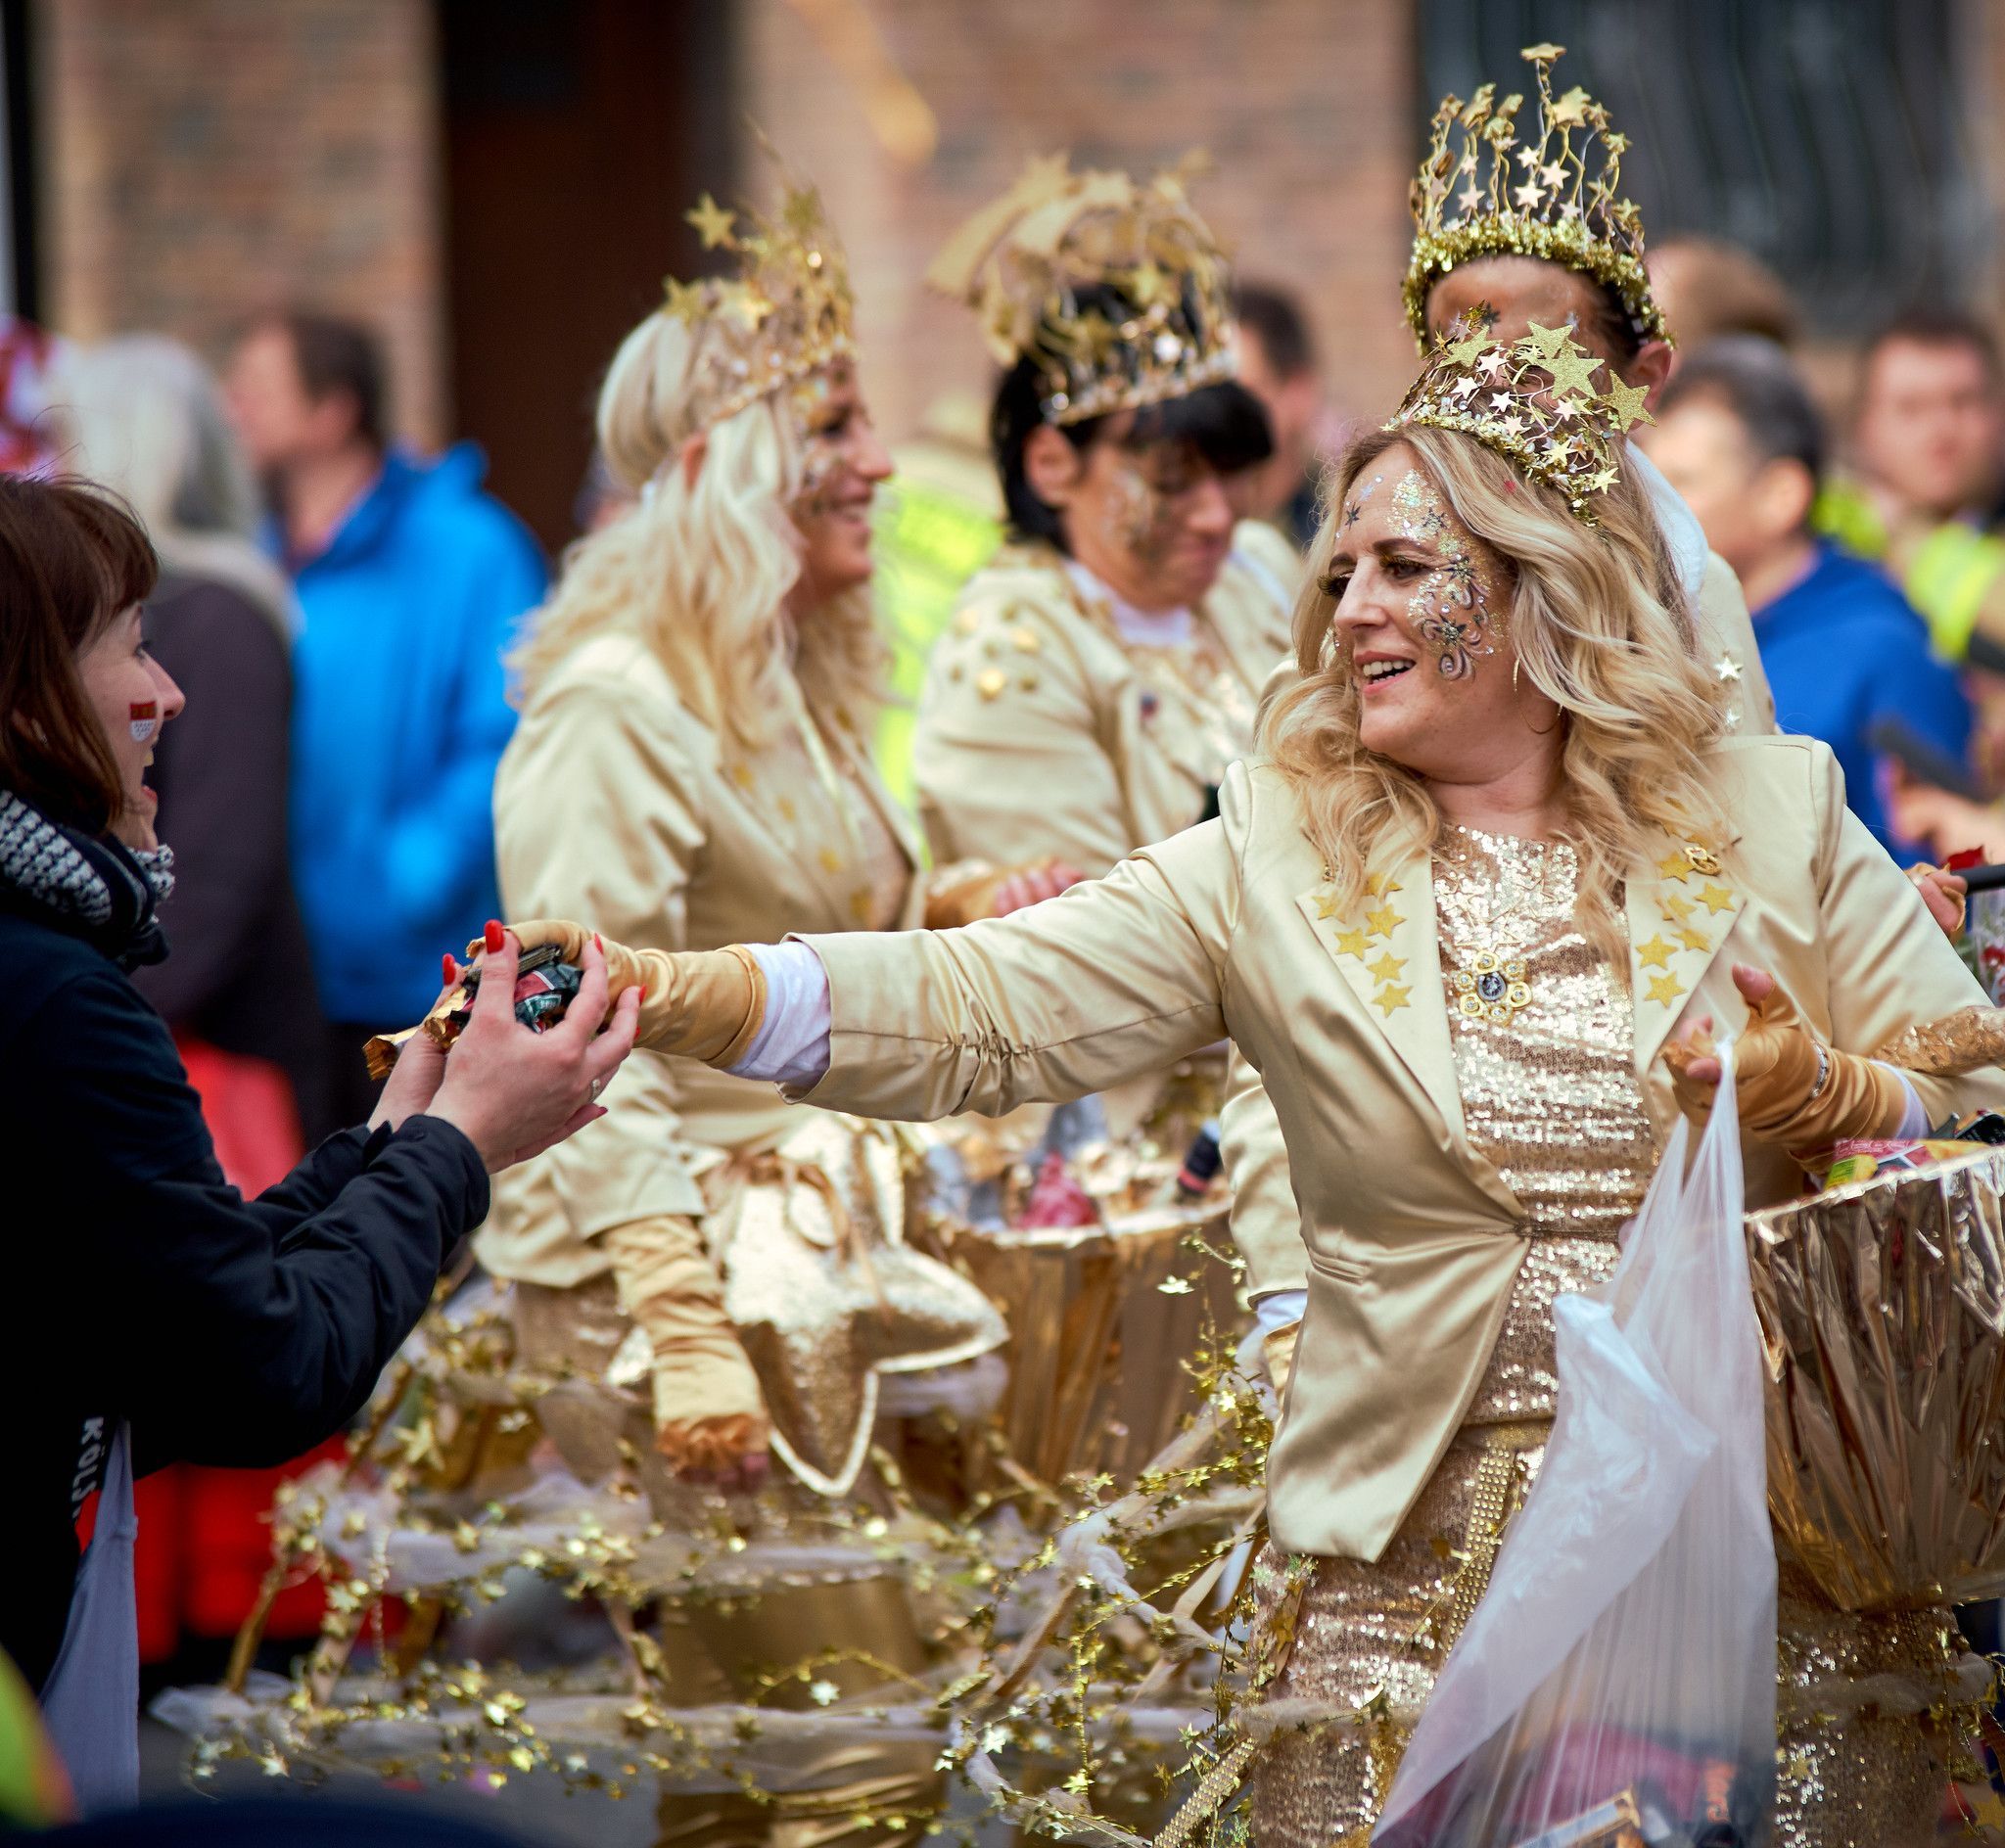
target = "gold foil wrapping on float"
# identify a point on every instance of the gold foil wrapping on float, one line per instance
(1882, 1307)
(825, 1293)
(1097, 1345)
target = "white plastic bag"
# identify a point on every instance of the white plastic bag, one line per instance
(1619, 1672)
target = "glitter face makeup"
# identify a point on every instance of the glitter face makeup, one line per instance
(1140, 516)
(1450, 607)
(819, 420)
(1354, 508)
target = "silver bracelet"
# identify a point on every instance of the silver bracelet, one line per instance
(1823, 1071)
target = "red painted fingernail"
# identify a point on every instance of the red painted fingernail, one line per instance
(495, 936)
(600, 941)
(642, 986)
(448, 969)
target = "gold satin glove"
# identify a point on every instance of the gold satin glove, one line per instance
(1793, 1088)
(701, 1003)
(1278, 1351)
(709, 1414)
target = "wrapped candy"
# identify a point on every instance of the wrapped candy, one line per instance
(544, 988)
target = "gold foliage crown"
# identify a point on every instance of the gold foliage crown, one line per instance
(1118, 292)
(1550, 192)
(1533, 400)
(788, 314)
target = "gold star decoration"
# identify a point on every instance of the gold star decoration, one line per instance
(1715, 899)
(1573, 371)
(1627, 404)
(1569, 111)
(1382, 885)
(1727, 668)
(1381, 922)
(684, 299)
(1665, 989)
(1387, 967)
(1676, 909)
(713, 223)
(1327, 907)
(831, 860)
(1655, 954)
(1353, 944)
(1674, 866)
(990, 682)
(1390, 998)
(1694, 939)
(1549, 340)
(1149, 286)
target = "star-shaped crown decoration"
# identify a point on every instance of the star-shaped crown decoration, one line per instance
(1535, 401)
(1549, 191)
(786, 314)
(1158, 323)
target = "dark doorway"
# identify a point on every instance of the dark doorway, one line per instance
(577, 134)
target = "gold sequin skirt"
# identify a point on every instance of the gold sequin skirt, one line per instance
(1870, 1709)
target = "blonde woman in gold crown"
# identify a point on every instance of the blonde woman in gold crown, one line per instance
(1498, 865)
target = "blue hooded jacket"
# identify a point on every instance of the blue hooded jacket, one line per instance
(399, 716)
(1843, 650)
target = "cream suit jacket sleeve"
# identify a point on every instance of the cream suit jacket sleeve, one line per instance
(1411, 1237)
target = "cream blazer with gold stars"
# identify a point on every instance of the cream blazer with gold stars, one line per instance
(617, 804)
(1042, 732)
(1413, 1238)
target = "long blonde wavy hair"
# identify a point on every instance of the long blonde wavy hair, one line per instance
(1601, 626)
(700, 571)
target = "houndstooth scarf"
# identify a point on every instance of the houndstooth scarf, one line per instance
(94, 888)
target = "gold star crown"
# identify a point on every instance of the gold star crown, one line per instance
(1158, 323)
(786, 314)
(1550, 195)
(1534, 401)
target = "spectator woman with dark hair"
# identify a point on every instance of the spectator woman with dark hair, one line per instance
(190, 1322)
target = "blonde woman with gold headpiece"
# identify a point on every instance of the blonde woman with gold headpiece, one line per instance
(1498, 866)
(692, 768)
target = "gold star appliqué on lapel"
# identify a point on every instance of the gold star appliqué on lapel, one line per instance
(1665, 989)
(1382, 922)
(1715, 899)
(1655, 954)
(1387, 967)
(1674, 866)
(1391, 999)
(1353, 944)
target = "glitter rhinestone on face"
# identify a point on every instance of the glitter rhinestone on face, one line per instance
(1450, 607)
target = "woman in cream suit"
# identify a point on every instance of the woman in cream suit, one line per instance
(1499, 858)
(692, 770)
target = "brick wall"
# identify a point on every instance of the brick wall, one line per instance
(1304, 104)
(208, 157)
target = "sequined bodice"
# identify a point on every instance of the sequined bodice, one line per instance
(1544, 1044)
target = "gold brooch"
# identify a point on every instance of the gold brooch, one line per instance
(1493, 988)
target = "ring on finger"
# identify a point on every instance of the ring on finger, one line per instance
(597, 1085)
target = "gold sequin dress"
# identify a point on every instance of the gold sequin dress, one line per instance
(1550, 1095)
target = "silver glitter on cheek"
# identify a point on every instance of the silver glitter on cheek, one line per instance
(1354, 508)
(1450, 605)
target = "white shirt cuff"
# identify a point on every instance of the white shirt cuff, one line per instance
(1280, 1308)
(791, 1045)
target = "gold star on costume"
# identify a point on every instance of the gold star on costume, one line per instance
(1626, 402)
(990, 682)
(1727, 668)
(1390, 998)
(1674, 866)
(1326, 905)
(1676, 909)
(1533, 400)
(1655, 954)
(1694, 939)
(1382, 885)
(1665, 989)
(1115, 289)
(1568, 208)
(1353, 944)
(1387, 967)
(784, 316)
(1715, 899)
(713, 223)
(1381, 922)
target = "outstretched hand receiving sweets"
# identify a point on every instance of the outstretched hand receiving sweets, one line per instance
(981, 890)
(1946, 895)
(1794, 1089)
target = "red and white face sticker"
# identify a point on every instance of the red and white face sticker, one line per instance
(146, 717)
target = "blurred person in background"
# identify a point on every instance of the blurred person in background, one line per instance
(411, 583)
(1926, 449)
(148, 421)
(1740, 437)
(207, 1328)
(1708, 287)
(939, 522)
(1278, 365)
